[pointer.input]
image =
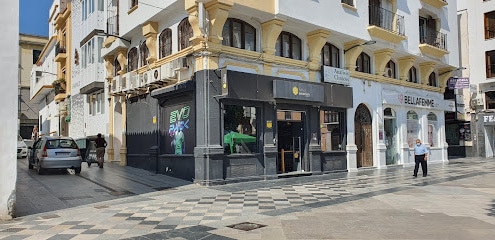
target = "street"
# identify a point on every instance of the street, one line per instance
(61, 189)
(455, 201)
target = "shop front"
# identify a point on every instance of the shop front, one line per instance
(486, 135)
(230, 126)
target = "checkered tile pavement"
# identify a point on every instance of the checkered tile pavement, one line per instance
(187, 215)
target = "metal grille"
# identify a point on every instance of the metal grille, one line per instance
(386, 19)
(242, 170)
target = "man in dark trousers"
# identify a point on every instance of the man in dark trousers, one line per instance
(420, 156)
(100, 149)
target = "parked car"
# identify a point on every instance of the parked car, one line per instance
(87, 146)
(55, 153)
(22, 148)
(29, 142)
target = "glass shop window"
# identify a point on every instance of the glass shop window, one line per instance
(240, 129)
(332, 130)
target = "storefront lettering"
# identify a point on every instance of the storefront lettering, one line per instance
(419, 101)
(177, 116)
(490, 118)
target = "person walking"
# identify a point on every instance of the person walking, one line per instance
(100, 149)
(420, 157)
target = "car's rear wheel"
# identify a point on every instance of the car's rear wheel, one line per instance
(77, 170)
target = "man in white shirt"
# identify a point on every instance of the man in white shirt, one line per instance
(420, 156)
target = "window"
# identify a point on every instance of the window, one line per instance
(132, 59)
(100, 44)
(363, 63)
(36, 55)
(239, 34)
(185, 33)
(88, 53)
(348, 2)
(432, 80)
(412, 76)
(166, 43)
(432, 130)
(88, 7)
(288, 45)
(144, 53)
(490, 64)
(330, 55)
(101, 5)
(96, 103)
(333, 130)
(133, 3)
(412, 128)
(490, 25)
(240, 134)
(490, 100)
(116, 66)
(390, 70)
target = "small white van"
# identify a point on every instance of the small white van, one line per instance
(21, 148)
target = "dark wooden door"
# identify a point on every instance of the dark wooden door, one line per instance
(363, 136)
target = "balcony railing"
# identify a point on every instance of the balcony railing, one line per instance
(113, 25)
(434, 38)
(59, 48)
(386, 19)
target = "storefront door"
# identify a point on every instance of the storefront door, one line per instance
(390, 127)
(363, 136)
(290, 132)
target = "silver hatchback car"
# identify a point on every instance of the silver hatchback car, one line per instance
(55, 153)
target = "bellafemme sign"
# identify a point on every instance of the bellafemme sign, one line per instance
(417, 101)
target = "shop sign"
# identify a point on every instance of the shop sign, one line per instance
(417, 101)
(489, 119)
(336, 75)
(298, 91)
(458, 83)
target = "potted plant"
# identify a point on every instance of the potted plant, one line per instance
(59, 85)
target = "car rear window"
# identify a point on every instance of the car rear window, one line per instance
(61, 143)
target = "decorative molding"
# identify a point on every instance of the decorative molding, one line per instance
(352, 54)
(382, 57)
(405, 63)
(109, 67)
(243, 65)
(386, 35)
(150, 30)
(316, 41)
(425, 69)
(293, 73)
(218, 12)
(122, 58)
(271, 30)
(432, 51)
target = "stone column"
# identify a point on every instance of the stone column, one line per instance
(352, 50)
(150, 30)
(316, 41)
(425, 69)
(382, 57)
(122, 58)
(218, 12)
(123, 148)
(109, 66)
(405, 63)
(270, 32)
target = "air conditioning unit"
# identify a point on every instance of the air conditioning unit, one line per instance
(135, 81)
(388, 73)
(180, 64)
(144, 79)
(125, 82)
(155, 75)
(168, 72)
(115, 83)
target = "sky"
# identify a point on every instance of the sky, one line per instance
(33, 16)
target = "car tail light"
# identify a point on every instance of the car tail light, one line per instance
(44, 152)
(78, 152)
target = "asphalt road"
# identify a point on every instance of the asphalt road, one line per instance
(61, 189)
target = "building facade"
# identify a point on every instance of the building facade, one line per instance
(225, 90)
(477, 54)
(51, 76)
(30, 48)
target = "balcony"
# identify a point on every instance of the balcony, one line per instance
(433, 43)
(436, 3)
(386, 25)
(60, 52)
(41, 85)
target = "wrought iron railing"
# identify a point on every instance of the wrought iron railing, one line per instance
(60, 48)
(348, 2)
(113, 25)
(386, 19)
(434, 38)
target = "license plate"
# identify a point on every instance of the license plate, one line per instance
(62, 154)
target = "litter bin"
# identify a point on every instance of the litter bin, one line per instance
(153, 159)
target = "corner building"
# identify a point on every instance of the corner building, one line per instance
(227, 90)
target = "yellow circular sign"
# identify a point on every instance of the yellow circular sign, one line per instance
(224, 85)
(295, 90)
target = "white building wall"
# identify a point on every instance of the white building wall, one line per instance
(9, 59)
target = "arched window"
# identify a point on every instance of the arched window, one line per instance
(144, 53)
(239, 34)
(432, 130)
(132, 59)
(432, 80)
(116, 66)
(363, 63)
(330, 55)
(389, 112)
(185, 33)
(165, 43)
(412, 76)
(412, 128)
(390, 70)
(288, 45)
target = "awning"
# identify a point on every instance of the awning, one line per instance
(173, 90)
(92, 87)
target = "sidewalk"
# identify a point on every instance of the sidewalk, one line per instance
(456, 201)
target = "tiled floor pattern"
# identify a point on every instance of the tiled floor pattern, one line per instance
(182, 217)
